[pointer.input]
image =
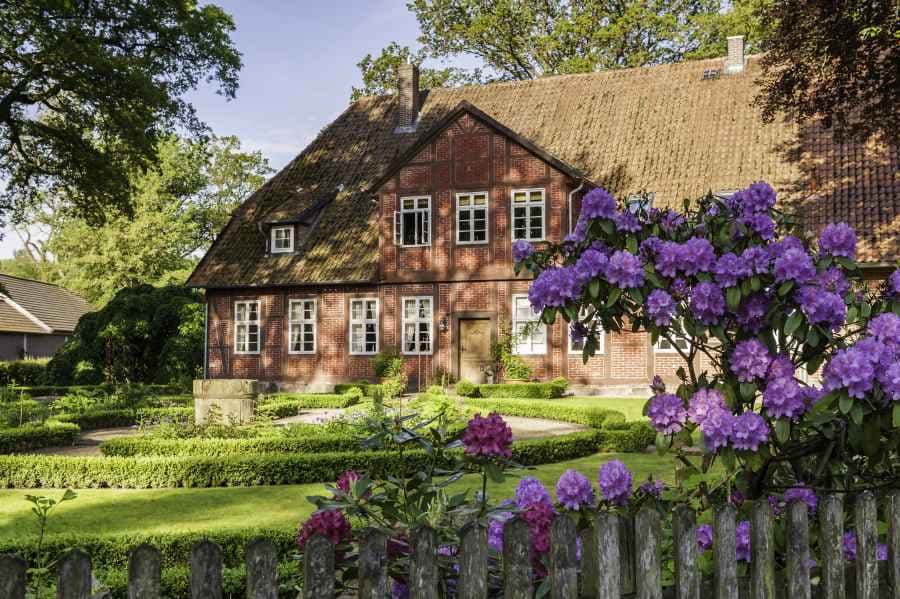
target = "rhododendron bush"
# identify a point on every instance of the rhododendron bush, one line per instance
(791, 370)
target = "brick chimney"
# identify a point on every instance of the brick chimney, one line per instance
(408, 88)
(734, 61)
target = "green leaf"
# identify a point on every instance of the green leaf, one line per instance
(783, 430)
(845, 404)
(793, 323)
(631, 244)
(871, 437)
(733, 296)
(785, 288)
(857, 414)
(636, 295)
(614, 294)
(494, 472)
(812, 338)
(662, 443)
(548, 315)
(594, 288)
(812, 366)
(728, 458)
(748, 390)
(755, 283)
(896, 418)
(607, 226)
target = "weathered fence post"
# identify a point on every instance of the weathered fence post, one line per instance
(261, 560)
(762, 547)
(206, 571)
(373, 565)
(144, 573)
(608, 558)
(798, 586)
(893, 543)
(423, 572)
(866, 541)
(687, 574)
(516, 560)
(724, 552)
(626, 553)
(318, 568)
(73, 578)
(648, 536)
(473, 556)
(831, 553)
(563, 559)
(12, 577)
(590, 573)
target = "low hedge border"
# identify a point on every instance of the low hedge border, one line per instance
(118, 418)
(250, 470)
(635, 438)
(106, 388)
(551, 410)
(28, 438)
(368, 389)
(551, 390)
(289, 404)
(176, 582)
(148, 446)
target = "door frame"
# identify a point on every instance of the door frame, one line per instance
(456, 333)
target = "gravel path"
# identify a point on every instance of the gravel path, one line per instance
(89, 443)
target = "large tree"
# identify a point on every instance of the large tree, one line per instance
(88, 87)
(178, 206)
(834, 61)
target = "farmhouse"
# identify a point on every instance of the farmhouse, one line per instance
(394, 227)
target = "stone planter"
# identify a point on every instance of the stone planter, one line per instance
(228, 400)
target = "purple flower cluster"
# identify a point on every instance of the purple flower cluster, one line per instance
(794, 265)
(627, 222)
(757, 259)
(660, 307)
(531, 491)
(761, 224)
(697, 255)
(759, 197)
(730, 269)
(851, 369)
(615, 482)
(802, 493)
(521, 250)
(821, 307)
(554, 287)
(890, 381)
(667, 414)
(751, 314)
(742, 541)
(833, 281)
(893, 284)
(598, 203)
(624, 270)
(717, 428)
(590, 264)
(849, 544)
(750, 360)
(574, 490)
(784, 398)
(749, 431)
(703, 402)
(707, 303)
(495, 530)
(652, 488)
(488, 437)
(781, 366)
(704, 537)
(886, 329)
(838, 239)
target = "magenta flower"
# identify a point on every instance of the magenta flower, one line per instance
(331, 523)
(615, 482)
(574, 490)
(667, 413)
(488, 437)
(346, 481)
(539, 518)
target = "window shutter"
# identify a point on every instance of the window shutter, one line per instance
(398, 228)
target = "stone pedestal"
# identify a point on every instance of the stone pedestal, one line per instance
(227, 401)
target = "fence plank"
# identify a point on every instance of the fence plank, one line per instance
(261, 560)
(12, 577)
(563, 559)
(687, 575)
(206, 571)
(893, 542)
(144, 573)
(423, 572)
(866, 540)
(516, 560)
(473, 557)
(724, 552)
(798, 551)
(831, 553)
(73, 578)
(648, 536)
(590, 573)
(762, 547)
(608, 559)
(626, 553)
(318, 568)
(373, 565)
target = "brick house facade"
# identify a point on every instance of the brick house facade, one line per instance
(394, 229)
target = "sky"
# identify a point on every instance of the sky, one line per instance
(299, 66)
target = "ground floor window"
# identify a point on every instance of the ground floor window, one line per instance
(246, 327)
(577, 347)
(364, 326)
(417, 325)
(303, 326)
(530, 334)
(665, 346)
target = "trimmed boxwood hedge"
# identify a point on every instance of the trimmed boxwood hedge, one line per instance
(368, 389)
(176, 582)
(551, 390)
(117, 418)
(636, 437)
(149, 446)
(27, 438)
(106, 388)
(282, 405)
(551, 410)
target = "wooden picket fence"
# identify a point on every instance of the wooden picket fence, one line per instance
(621, 557)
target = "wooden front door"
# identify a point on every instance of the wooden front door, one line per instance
(474, 349)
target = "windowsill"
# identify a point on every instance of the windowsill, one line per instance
(302, 353)
(419, 353)
(541, 240)
(472, 242)
(420, 245)
(246, 353)
(363, 353)
(290, 251)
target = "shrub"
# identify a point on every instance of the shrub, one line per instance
(551, 410)
(176, 582)
(466, 389)
(354, 394)
(86, 373)
(635, 438)
(211, 447)
(550, 450)
(435, 390)
(289, 404)
(429, 406)
(118, 418)
(513, 365)
(385, 360)
(22, 412)
(74, 402)
(524, 390)
(23, 372)
(368, 389)
(27, 438)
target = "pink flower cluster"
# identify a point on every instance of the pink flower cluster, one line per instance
(488, 437)
(330, 523)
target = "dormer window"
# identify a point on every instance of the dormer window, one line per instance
(640, 202)
(282, 239)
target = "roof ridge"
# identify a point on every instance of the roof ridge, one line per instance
(25, 312)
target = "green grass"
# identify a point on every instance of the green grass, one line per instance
(156, 511)
(630, 406)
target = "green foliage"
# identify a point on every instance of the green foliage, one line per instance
(209, 447)
(633, 437)
(435, 390)
(22, 412)
(282, 405)
(551, 410)
(145, 334)
(388, 365)
(551, 390)
(27, 438)
(466, 388)
(88, 89)
(23, 372)
(429, 407)
(116, 418)
(368, 389)
(384, 362)
(513, 365)
(40, 572)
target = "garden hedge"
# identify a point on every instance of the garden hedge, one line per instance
(27, 438)
(250, 470)
(118, 418)
(368, 389)
(551, 410)
(105, 389)
(551, 390)
(635, 438)
(150, 446)
(23, 372)
(176, 582)
(289, 404)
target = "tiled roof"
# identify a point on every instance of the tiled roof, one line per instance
(13, 321)
(661, 129)
(57, 308)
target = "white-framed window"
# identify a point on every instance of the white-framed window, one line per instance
(664, 346)
(529, 333)
(283, 239)
(472, 217)
(364, 326)
(640, 201)
(412, 223)
(417, 325)
(577, 348)
(246, 327)
(528, 214)
(302, 322)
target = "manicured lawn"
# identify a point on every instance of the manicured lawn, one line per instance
(630, 406)
(156, 511)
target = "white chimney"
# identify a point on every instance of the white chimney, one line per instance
(408, 90)
(734, 61)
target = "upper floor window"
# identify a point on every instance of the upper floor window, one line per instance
(412, 224)
(640, 202)
(528, 214)
(577, 347)
(282, 239)
(246, 327)
(417, 318)
(530, 334)
(364, 326)
(302, 326)
(472, 217)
